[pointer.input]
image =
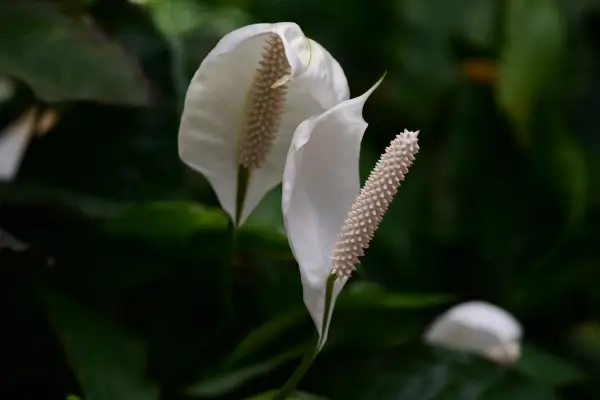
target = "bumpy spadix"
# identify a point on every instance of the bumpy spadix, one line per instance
(371, 204)
(328, 219)
(244, 102)
(265, 105)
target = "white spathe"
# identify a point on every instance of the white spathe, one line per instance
(478, 327)
(14, 140)
(214, 112)
(320, 183)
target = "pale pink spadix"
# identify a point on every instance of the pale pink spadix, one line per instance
(329, 221)
(265, 104)
(372, 202)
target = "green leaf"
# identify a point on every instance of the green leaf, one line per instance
(63, 58)
(562, 166)
(415, 371)
(571, 175)
(158, 220)
(355, 298)
(298, 395)
(534, 42)
(516, 389)
(366, 315)
(547, 368)
(263, 336)
(585, 341)
(101, 254)
(108, 362)
(176, 17)
(228, 381)
(268, 212)
(479, 23)
(372, 295)
(427, 66)
(177, 222)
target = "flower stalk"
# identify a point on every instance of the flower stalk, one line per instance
(311, 351)
(317, 190)
(300, 371)
(226, 278)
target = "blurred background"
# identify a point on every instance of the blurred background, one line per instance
(111, 248)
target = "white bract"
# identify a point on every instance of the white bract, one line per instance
(244, 103)
(327, 222)
(14, 140)
(478, 327)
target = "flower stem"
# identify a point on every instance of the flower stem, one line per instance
(300, 371)
(227, 275)
(178, 71)
(243, 176)
(313, 348)
(233, 226)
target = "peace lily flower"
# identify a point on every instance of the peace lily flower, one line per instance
(478, 327)
(14, 140)
(329, 220)
(244, 103)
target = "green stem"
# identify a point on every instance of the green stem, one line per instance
(178, 71)
(313, 349)
(299, 373)
(243, 176)
(233, 226)
(227, 276)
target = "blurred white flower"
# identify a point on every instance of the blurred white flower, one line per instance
(14, 140)
(478, 327)
(328, 221)
(244, 103)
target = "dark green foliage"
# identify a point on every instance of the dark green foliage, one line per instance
(117, 294)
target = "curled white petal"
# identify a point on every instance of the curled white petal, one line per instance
(478, 327)
(215, 106)
(320, 183)
(13, 144)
